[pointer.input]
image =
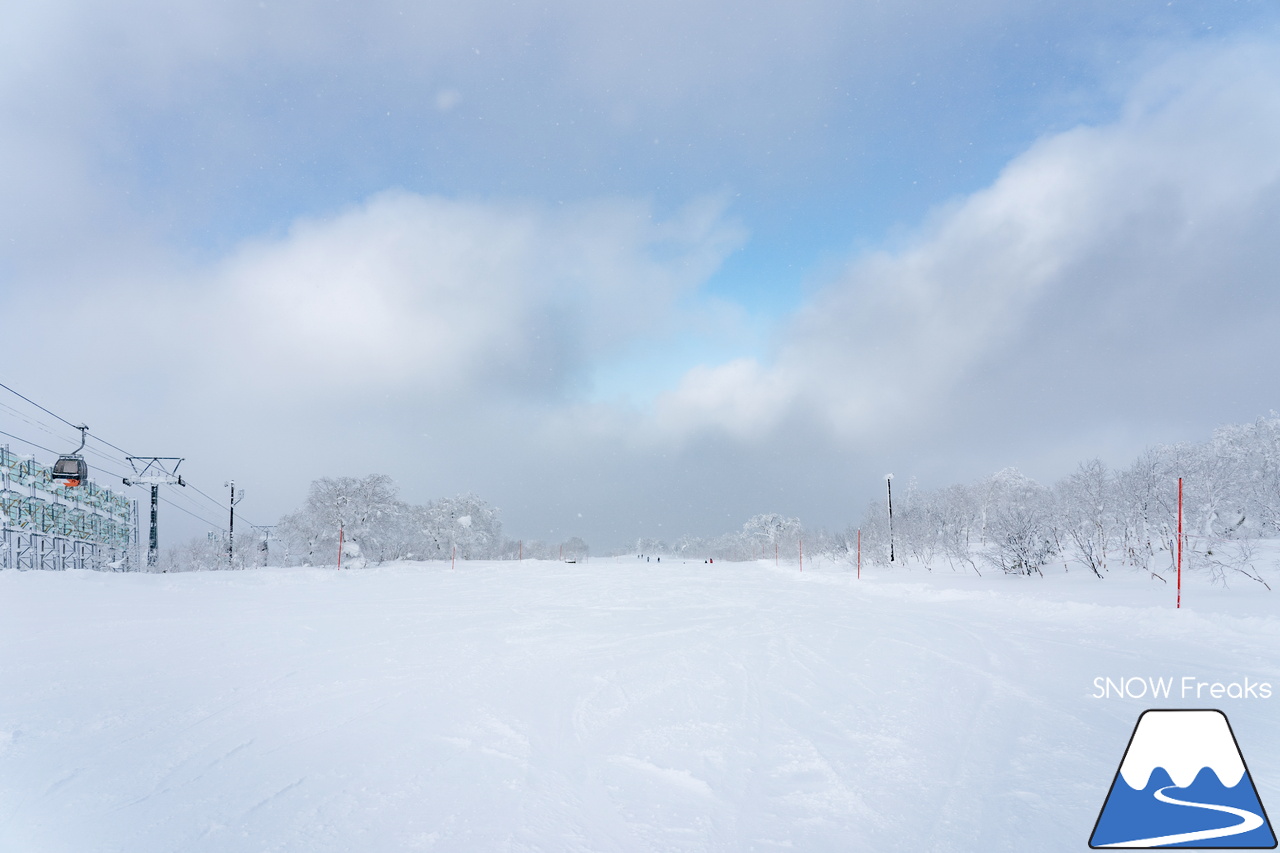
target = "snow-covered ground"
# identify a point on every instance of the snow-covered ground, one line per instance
(615, 705)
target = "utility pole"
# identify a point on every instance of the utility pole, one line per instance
(154, 471)
(231, 529)
(888, 481)
(1179, 607)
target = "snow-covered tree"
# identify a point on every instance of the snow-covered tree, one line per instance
(576, 550)
(365, 509)
(1019, 535)
(536, 549)
(464, 525)
(1086, 512)
(771, 533)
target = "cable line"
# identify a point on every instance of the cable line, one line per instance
(61, 418)
(199, 492)
(31, 443)
(109, 444)
(38, 406)
(212, 500)
(212, 524)
(101, 454)
(28, 443)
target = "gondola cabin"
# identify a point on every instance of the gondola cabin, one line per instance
(70, 470)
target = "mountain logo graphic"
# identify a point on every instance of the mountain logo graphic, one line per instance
(1183, 783)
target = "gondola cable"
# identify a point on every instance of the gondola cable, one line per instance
(84, 434)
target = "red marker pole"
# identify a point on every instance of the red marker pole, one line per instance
(802, 555)
(1179, 543)
(339, 546)
(454, 559)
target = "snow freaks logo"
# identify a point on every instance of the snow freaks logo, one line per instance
(1188, 687)
(1183, 783)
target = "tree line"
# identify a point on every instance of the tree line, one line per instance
(1097, 518)
(377, 527)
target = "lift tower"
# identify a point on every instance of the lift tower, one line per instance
(154, 471)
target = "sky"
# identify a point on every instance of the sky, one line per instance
(635, 269)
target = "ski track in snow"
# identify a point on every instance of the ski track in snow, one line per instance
(602, 706)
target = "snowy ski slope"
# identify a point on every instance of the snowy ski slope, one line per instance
(614, 705)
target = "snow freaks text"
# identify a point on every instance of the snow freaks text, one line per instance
(1186, 687)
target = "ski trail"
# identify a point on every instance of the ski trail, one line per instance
(1249, 821)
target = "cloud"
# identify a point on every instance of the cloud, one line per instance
(455, 299)
(201, 202)
(446, 342)
(738, 397)
(211, 121)
(1109, 241)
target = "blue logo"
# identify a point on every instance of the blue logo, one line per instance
(1183, 783)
